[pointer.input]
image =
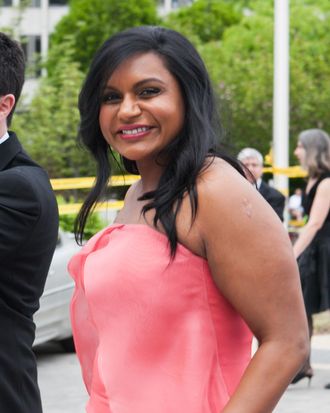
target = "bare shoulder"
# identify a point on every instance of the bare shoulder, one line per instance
(131, 210)
(248, 251)
(231, 208)
(324, 187)
(222, 186)
(131, 192)
(322, 199)
(218, 172)
(213, 184)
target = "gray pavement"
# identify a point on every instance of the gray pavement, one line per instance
(60, 382)
(313, 398)
(62, 389)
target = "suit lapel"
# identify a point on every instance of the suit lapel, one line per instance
(8, 150)
(263, 189)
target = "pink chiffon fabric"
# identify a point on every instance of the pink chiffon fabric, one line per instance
(153, 335)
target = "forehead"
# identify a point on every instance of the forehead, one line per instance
(141, 66)
(251, 160)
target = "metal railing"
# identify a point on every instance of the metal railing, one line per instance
(62, 184)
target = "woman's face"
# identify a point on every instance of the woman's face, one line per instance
(300, 153)
(142, 109)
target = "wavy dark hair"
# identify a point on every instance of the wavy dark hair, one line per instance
(186, 155)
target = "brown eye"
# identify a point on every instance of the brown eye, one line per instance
(111, 97)
(149, 91)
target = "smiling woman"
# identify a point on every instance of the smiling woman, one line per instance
(168, 297)
(142, 109)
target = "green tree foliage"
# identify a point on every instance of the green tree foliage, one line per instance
(94, 224)
(241, 66)
(310, 67)
(48, 126)
(204, 20)
(92, 22)
(238, 52)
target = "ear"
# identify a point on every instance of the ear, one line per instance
(7, 103)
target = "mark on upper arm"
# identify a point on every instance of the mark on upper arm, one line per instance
(247, 207)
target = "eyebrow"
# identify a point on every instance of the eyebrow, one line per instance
(140, 83)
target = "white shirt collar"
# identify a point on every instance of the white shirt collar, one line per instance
(4, 137)
(258, 183)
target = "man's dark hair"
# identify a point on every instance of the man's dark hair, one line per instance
(186, 154)
(12, 68)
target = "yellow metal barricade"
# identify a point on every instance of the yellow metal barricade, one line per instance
(88, 182)
(290, 172)
(65, 209)
(126, 180)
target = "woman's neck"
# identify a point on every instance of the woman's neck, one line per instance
(150, 176)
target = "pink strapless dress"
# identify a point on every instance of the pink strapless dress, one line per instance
(153, 335)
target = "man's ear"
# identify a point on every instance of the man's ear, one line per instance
(7, 103)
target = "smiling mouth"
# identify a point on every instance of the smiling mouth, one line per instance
(134, 131)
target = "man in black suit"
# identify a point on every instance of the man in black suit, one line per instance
(28, 236)
(252, 159)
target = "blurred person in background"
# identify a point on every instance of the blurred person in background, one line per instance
(312, 247)
(28, 236)
(252, 159)
(295, 208)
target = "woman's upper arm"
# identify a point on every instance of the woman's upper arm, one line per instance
(249, 253)
(321, 204)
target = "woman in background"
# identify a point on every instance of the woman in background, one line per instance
(167, 297)
(312, 247)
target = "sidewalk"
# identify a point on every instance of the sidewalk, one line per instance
(301, 398)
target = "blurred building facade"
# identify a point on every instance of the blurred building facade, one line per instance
(33, 21)
(32, 24)
(166, 6)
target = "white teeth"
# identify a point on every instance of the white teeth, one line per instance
(134, 131)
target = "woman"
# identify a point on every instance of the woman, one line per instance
(166, 297)
(312, 247)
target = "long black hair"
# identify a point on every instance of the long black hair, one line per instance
(187, 154)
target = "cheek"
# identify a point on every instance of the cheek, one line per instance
(257, 171)
(175, 117)
(105, 121)
(178, 118)
(168, 115)
(101, 119)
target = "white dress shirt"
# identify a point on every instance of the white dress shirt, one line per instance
(4, 137)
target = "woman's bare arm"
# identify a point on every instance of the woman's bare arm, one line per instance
(319, 211)
(251, 260)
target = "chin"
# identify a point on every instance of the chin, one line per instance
(131, 157)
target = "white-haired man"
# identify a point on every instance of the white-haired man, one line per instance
(253, 160)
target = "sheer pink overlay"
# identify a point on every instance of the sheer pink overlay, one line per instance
(153, 336)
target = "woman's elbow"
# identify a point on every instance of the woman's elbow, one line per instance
(314, 225)
(299, 347)
(303, 348)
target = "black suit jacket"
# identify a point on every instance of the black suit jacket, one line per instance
(28, 235)
(274, 198)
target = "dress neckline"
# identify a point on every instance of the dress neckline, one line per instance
(159, 235)
(324, 175)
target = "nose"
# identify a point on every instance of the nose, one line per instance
(129, 108)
